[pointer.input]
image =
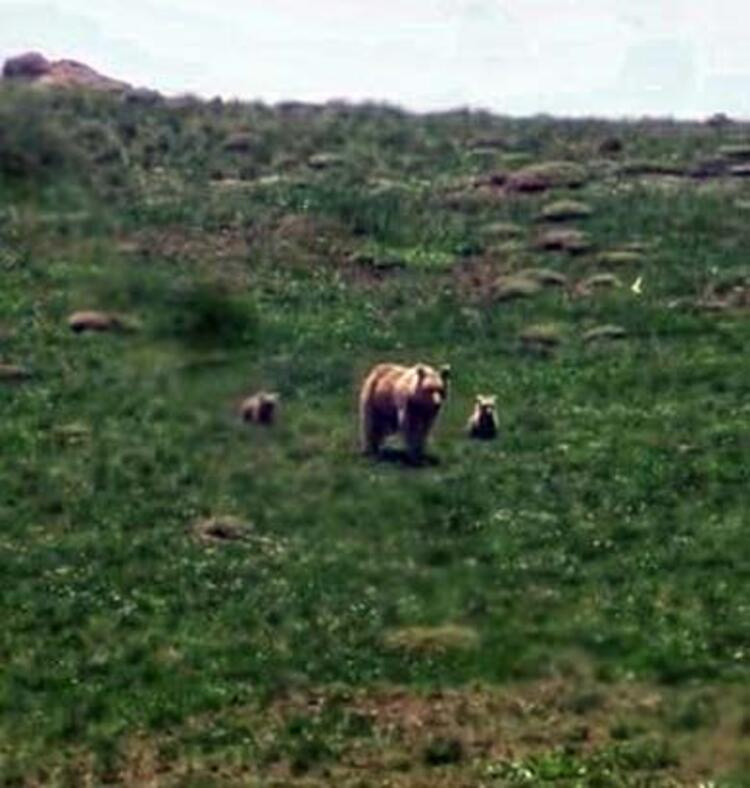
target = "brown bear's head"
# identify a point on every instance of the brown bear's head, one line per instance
(432, 386)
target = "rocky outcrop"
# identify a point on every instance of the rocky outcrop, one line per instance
(34, 68)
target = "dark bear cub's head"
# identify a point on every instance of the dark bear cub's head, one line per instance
(261, 408)
(483, 420)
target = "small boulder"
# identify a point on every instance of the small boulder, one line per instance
(30, 65)
(221, 529)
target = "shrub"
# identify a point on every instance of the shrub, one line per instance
(33, 145)
(207, 313)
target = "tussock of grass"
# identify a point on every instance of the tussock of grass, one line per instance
(542, 335)
(565, 210)
(432, 640)
(620, 257)
(73, 433)
(547, 175)
(599, 282)
(508, 288)
(547, 277)
(651, 167)
(207, 312)
(570, 241)
(324, 160)
(736, 151)
(502, 231)
(13, 373)
(604, 333)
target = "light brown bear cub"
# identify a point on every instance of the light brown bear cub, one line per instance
(401, 399)
(483, 421)
(260, 408)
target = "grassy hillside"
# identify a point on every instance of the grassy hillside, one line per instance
(566, 605)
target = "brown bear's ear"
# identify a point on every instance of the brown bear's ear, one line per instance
(421, 372)
(445, 371)
(479, 399)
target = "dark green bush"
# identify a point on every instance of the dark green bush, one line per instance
(208, 313)
(34, 146)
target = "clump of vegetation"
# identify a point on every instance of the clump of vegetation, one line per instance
(620, 257)
(570, 241)
(598, 282)
(547, 277)
(565, 210)
(541, 336)
(548, 175)
(607, 332)
(735, 151)
(508, 288)
(208, 312)
(502, 231)
(13, 373)
(432, 640)
(34, 147)
(651, 167)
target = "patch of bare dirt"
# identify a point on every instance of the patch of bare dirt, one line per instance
(183, 244)
(398, 736)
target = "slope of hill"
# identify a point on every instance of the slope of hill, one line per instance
(188, 599)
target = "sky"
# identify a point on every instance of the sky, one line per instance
(607, 58)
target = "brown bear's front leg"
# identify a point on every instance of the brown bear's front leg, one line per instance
(414, 436)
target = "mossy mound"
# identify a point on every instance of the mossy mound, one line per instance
(501, 231)
(547, 175)
(431, 640)
(570, 241)
(541, 336)
(604, 333)
(620, 257)
(509, 288)
(565, 210)
(546, 277)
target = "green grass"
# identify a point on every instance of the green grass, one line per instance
(609, 520)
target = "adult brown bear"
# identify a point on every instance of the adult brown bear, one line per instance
(398, 399)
